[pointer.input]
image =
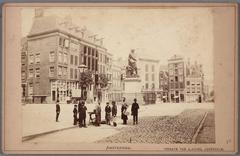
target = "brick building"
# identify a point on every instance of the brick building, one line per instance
(176, 70)
(194, 82)
(56, 49)
(163, 83)
(24, 69)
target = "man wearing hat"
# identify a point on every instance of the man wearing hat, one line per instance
(134, 111)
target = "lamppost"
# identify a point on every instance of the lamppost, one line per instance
(81, 68)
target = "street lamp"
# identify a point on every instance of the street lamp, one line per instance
(81, 68)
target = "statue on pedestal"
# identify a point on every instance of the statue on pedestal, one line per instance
(131, 69)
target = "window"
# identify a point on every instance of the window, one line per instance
(65, 58)
(96, 53)
(31, 59)
(51, 56)
(146, 68)
(176, 71)
(59, 71)
(23, 75)
(146, 77)
(170, 66)
(93, 52)
(71, 60)
(30, 73)
(188, 83)
(37, 72)
(66, 43)
(89, 63)
(146, 86)
(153, 68)
(60, 57)
(153, 78)
(89, 51)
(30, 89)
(96, 65)
(61, 41)
(37, 58)
(76, 60)
(153, 86)
(100, 57)
(76, 73)
(176, 79)
(181, 85)
(64, 70)
(51, 71)
(85, 50)
(170, 72)
(71, 73)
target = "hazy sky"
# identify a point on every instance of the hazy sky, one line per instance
(158, 33)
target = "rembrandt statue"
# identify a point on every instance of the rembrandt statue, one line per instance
(131, 69)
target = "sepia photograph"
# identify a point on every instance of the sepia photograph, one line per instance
(120, 78)
(117, 80)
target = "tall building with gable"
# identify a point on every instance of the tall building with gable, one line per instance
(55, 50)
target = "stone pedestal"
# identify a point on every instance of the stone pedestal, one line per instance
(132, 89)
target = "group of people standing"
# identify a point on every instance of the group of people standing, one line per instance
(110, 112)
(80, 112)
(134, 111)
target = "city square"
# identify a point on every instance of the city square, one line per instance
(158, 123)
(68, 72)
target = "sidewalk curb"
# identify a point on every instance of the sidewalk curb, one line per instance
(199, 128)
(33, 136)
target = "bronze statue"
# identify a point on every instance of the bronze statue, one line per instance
(131, 69)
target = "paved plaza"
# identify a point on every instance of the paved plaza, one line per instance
(159, 123)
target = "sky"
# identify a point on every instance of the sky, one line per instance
(153, 32)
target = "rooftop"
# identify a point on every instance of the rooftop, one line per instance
(51, 23)
(175, 57)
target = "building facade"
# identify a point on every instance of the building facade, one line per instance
(194, 83)
(176, 71)
(24, 70)
(56, 49)
(117, 82)
(163, 84)
(149, 75)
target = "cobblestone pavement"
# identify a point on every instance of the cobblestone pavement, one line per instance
(207, 133)
(162, 129)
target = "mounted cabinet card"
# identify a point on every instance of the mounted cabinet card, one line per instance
(119, 78)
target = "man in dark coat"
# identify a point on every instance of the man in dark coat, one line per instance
(134, 111)
(108, 113)
(114, 109)
(83, 112)
(75, 115)
(57, 110)
(80, 116)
